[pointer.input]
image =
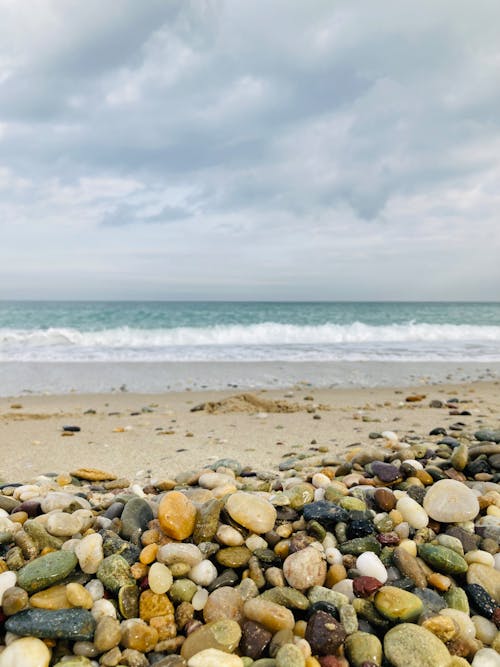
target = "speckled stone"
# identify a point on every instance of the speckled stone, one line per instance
(224, 602)
(46, 570)
(254, 639)
(324, 633)
(487, 577)
(290, 655)
(114, 572)
(223, 635)
(73, 624)
(305, 568)
(410, 644)
(362, 647)
(442, 559)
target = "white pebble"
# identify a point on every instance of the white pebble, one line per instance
(480, 556)
(390, 436)
(203, 573)
(254, 542)
(137, 490)
(89, 553)
(486, 657)
(319, 494)
(497, 561)
(178, 552)
(199, 599)
(344, 587)
(211, 480)
(412, 512)
(28, 652)
(370, 565)
(95, 588)
(229, 536)
(320, 481)
(7, 580)
(160, 578)
(485, 630)
(212, 657)
(102, 608)
(467, 629)
(333, 556)
(403, 529)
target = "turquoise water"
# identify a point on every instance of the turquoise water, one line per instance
(248, 331)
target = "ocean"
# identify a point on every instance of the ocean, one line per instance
(186, 335)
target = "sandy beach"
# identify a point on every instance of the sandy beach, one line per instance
(155, 436)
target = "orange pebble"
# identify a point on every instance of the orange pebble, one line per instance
(148, 554)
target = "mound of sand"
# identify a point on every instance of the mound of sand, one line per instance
(249, 403)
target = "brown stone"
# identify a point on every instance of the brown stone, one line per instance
(92, 474)
(324, 633)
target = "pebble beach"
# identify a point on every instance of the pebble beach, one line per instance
(291, 528)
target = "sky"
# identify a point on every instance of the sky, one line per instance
(250, 149)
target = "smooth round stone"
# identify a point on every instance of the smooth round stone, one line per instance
(62, 524)
(251, 511)
(443, 559)
(412, 512)
(224, 602)
(135, 517)
(177, 515)
(159, 578)
(7, 580)
(485, 576)
(233, 556)
(211, 480)
(138, 635)
(370, 565)
(26, 652)
(272, 616)
(199, 599)
(114, 572)
(203, 573)
(95, 588)
(53, 597)
(467, 629)
(90, 553)
(450, 501)
(361, 647)
(486, 657)
(14, 599)
(179, 553)
(410, 644)
(324, 633)
(290, 655)
(223, 635)
(305, 568)
(212, 657)
(102, 608)
(385, 499)
(107, 634)
(60, 500)
(485, 630)
(46, 570)
(229, 536)
(78, 596)
(397, 604)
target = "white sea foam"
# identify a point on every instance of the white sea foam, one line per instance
(265, 341)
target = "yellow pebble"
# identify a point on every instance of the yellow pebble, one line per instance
(79, 596)
(63, 479)
(335, 574)
(414, 481)
(493, 510)
(282, 548)
(3, 566)
(148, 554)
(19, 517)
(409, 546)
(396, 517)
(439, 581)
(138, 570)
(312, 662)
(299, 629)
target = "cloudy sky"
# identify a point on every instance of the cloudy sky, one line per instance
(280, 149)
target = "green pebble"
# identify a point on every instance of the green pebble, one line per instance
(286, 597)
(361, 647)
(359, 545)
(114, 572)
(456, 598)
(397, 604)
(350, 503)
(182, 590)
(46, 570)
(442, 559)
(300, 495)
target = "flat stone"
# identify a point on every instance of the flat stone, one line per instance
(92, 474)
(488, 435)
(410, 644)
(72, 624)
(251, 511)
(442, 559)
(46, 570)
(272, 616)
(223, 635)
(450, 501)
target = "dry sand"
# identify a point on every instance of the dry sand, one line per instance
(158, 435)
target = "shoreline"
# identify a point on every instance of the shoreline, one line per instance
(26, 378)
(155, 435)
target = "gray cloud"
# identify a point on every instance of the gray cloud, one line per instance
(319, 149)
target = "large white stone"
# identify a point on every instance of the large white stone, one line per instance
(252, 511)
(450, 501)
(211, 657)
(486, 657)
(25, 652)
(370, 565)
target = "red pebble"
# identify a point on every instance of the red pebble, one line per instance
(363, 587)
(332, 661)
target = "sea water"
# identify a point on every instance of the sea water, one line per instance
(289, 335)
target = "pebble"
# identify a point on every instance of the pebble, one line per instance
(449, 501)
(486, 657)
(305, 568)
(325, 563)
(253, 512)
(26, 652)
(409, 644)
